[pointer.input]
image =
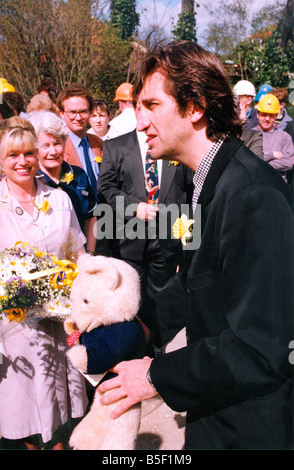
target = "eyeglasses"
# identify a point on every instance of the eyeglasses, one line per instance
(72, 114)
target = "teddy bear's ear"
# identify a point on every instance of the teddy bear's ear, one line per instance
(102, 269)
(84, 260)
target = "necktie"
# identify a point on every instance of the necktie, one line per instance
(90, 172)
(151, 179)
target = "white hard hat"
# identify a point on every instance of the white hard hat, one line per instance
(244, 87)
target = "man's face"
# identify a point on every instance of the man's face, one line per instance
(158, 116)
(76, 114)
(266, 121)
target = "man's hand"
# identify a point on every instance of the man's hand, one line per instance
(146, 211)
(243, 112)
(277, 154)
(130, 384)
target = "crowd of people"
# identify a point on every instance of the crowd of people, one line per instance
(184, 137)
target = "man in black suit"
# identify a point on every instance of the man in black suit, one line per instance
(137, 238)
(235, 294)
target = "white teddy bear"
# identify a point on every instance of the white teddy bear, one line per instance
(104, 331)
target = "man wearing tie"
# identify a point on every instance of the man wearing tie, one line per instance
(75, 104)
(128, 173)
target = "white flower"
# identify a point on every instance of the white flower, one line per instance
(26, 284)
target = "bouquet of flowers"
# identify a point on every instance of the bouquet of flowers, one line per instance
(34, 283)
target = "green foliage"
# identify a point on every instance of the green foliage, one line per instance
(124, 17)
(63, 40)
(258, 55)
(265, 62)
(113, 56)
(290, 109)
(186, 27)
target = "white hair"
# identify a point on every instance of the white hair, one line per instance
(49, 123)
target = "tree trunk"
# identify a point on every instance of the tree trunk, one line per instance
(188, 5)
(286, 27)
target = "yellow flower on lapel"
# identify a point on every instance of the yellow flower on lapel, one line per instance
(43, 206)
(68, 177)
(173, 162)
(182, 228)
(98, 159)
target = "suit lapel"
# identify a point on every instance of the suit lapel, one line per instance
(167, 176)
(96, 145)
(70, 154)
(219, 164)
(135, 165)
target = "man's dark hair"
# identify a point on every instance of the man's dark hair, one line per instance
(14, 100)
(49, 86)
(101, 104)
(194, 74)
(74, 89)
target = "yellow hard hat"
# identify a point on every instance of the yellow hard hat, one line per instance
(124, 92)
(268, 104)
(3, 80)
(4, 87)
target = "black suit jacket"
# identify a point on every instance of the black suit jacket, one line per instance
(235, 297)
(122, 175)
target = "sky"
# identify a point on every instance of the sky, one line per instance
(167, 12)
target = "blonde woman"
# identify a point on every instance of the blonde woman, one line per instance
(39, 390)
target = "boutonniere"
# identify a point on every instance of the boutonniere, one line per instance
(98, 159)
(173, 162)
(44, 206)
(68, 177)
(182, 228)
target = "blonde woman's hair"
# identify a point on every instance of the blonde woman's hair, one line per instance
(15, 132)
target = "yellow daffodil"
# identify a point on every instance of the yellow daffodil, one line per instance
(173, 162)
(98, 159)
(182, 228)
(43, 206)
(68, 177)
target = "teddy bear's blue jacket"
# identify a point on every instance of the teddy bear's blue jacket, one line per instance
(108, 345)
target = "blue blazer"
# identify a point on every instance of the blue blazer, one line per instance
(108, 345)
